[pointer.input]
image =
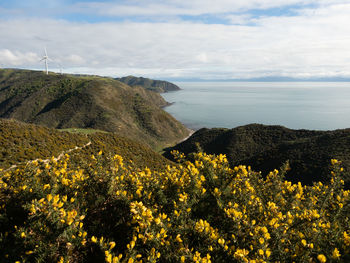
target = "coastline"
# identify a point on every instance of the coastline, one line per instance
(190, 134)
(191, 131)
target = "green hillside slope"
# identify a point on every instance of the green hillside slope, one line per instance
(267, 147)
(67, 101)
(21, 142)
(150, 84)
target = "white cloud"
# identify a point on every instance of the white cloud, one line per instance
(74, 59)
(313, 43)
(202, 57)
(16, 58)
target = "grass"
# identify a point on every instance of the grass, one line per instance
(21, 142)
(87, 102)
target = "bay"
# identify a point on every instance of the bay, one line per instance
(296, 105)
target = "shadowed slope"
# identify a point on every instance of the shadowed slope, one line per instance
(267, 147)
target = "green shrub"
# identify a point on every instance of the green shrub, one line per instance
(103, 209)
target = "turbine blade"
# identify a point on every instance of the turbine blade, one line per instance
(45, 51)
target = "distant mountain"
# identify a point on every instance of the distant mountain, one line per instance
(268, 147)
(149, 84)
(21, 142)
(67, 101)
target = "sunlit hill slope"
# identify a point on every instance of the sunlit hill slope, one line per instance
(68, 101)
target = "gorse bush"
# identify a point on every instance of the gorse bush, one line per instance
(104, 210)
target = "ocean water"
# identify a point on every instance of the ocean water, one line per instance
(296, 105)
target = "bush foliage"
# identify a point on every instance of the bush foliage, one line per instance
(265, 147)
(21, 142)
(104, 209)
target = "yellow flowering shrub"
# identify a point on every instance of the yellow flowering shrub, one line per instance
(103, 209)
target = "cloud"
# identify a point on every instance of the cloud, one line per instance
(16, 58)
(75, 59)
(312, 42)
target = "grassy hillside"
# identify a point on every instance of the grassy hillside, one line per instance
(267, 147)
(67, 101)
(149, 84)
(21, 142)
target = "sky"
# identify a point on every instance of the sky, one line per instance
(179, 39)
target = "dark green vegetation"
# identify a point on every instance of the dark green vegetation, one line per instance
(68, 101)
(268, 147)
(150, 84)
(20, 142)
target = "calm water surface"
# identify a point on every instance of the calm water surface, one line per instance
(301, 105)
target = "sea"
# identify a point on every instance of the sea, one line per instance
(295, 105)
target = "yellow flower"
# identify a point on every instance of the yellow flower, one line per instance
(334, 161)
(49, 197)
(261, 240)
(94, 239)
(131, 245)
(322, 258)
(304, 242)
(221, 241)
(178, 238)
(336, 253)
(108, 257)
(112, 245)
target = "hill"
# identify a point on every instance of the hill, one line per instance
(68, 101)
(265, 148)
(101, 209)
(149, 84)
(21, 142)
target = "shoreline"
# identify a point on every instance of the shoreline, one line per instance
(191, 133)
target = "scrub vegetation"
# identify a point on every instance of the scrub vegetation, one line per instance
(102, 209)
(70, 101)
(265, 148)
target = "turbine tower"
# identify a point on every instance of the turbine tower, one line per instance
(46, 58)
(59, 64)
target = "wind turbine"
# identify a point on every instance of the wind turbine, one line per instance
(59, 64)
(46, 58)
